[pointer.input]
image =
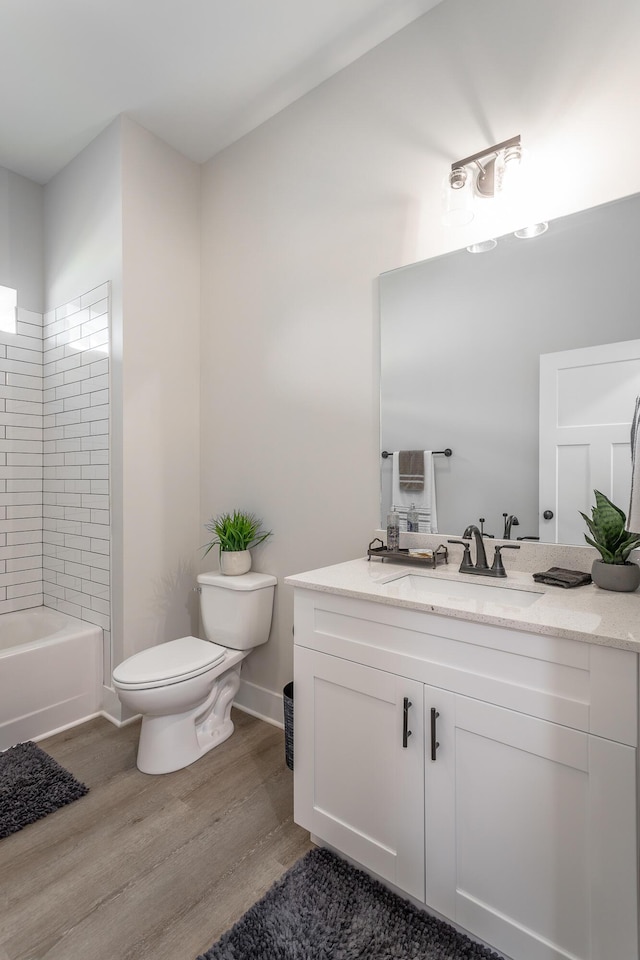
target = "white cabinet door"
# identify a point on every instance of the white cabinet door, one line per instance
(357, 786)
(530, 833)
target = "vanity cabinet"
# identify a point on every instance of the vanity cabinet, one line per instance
(522, 830)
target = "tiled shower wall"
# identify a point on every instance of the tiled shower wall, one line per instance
(21, 464)
(76, 519)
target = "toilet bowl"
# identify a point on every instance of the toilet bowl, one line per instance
(185, 688)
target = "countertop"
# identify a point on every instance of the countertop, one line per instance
(584, 613)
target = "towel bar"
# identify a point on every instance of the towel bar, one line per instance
(445, 453)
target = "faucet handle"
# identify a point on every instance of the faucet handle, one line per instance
(497, 568)
(466, 563)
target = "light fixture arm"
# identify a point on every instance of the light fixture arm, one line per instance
(490, 152)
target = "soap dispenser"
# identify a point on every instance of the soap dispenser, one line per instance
(413, 518)
(393, 531)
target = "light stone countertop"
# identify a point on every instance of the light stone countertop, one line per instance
(584, 613)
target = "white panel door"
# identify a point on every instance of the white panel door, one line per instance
(587, 399)
(530, 833)
(359, 766)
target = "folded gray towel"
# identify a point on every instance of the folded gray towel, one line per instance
(411, 469)
(559, 577)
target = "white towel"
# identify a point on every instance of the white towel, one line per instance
(425, 500)
(633, 520)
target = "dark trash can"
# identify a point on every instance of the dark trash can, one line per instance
(287, 701)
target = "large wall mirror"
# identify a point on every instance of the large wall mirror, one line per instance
(524, 361)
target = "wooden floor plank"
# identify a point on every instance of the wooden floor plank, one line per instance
(148, 867)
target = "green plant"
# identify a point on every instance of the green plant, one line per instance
(235, 531)
(608, 533)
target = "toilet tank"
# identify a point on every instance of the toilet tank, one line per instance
(236, 611)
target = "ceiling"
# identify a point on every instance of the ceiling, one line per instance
(197, 73)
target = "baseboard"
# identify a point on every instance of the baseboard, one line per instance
(259, 702)
(113, 710)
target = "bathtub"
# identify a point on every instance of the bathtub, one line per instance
(50, 673)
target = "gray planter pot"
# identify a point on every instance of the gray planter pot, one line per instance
(623, 577)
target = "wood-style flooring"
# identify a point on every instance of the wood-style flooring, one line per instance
(144, 867)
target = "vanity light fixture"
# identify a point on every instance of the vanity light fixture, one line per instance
(483, 247)
(484, 174)
(533, 230)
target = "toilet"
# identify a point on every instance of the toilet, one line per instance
(184, 688)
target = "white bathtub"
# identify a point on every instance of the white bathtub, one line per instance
(50, 673)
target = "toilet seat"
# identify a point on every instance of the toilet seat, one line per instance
(168, 663)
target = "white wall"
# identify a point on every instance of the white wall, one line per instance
(21, 240)
(300, 216)
(160, 391)
(126, 210)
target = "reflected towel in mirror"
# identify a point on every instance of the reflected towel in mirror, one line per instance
(411, 470)
(424, 499)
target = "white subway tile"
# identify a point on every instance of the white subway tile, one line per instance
(68, 308)
(20, 393)
(96, 561)
(71, 609)
(22, 485)
(21, 368)
(100, 516)
(77, 373)
(78, 543)
(98, 547)
(29, 316)
(77, 430)
(95, 295)
(20, 576)
(27, 381)
(94, 617)
(15, 537)
(21, 550)
(68, 366)
(95, 383)
(69, 390)
(24, 563)
(96, 531)
(31, 355)
(24, 511)
(22, 407)
(96, 442)
(20, 433)
(23, 460)
(16, 499)
(23, 603)
(23, 525)
(100, 367)
(100, 412)
(98, 471)
(100, 426)
(32, 588)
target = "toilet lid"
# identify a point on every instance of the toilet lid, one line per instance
(169, 662)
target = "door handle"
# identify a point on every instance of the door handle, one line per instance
(434, 742)
(406, 733)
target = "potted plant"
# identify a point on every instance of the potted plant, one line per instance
(235, 533)
(614, 543)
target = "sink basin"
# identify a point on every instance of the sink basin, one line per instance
(413, 585)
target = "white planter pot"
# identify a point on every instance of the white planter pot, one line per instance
(233, 563)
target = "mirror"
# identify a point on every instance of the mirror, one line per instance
(462, 337)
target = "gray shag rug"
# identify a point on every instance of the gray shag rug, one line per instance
(325, 909)
(32, 785)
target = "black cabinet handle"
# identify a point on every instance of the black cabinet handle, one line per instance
(406, 733)
(434, 742)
